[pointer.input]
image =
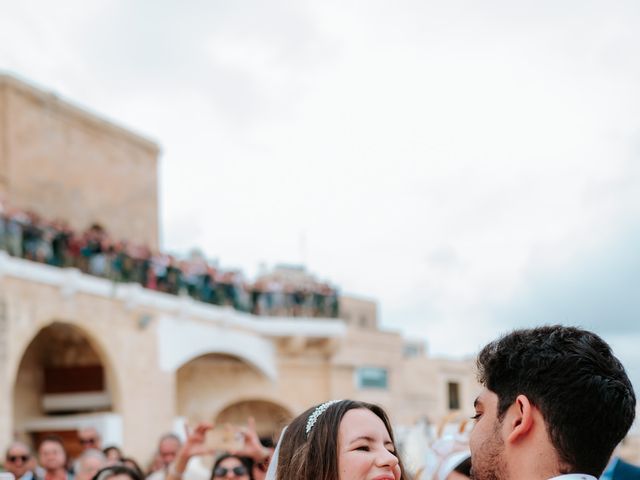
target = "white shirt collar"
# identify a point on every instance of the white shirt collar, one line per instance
(574, 476)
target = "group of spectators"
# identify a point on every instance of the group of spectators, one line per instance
(26, 235)
(174, 457)
(52, 462)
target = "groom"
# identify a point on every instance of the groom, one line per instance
(555, 404)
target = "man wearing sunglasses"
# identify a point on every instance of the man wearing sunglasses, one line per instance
(89, 439)
(19, 461)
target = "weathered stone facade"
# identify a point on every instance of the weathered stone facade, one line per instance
(62, 162)
(163, 358)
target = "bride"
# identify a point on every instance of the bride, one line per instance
(337, 440)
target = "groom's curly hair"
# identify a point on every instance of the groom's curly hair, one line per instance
(573, 378)
(314, 456)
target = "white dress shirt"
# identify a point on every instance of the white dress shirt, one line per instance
(574, 476)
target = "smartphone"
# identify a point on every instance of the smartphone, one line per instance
(231, 441)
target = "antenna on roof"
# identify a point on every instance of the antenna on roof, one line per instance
(303, 247)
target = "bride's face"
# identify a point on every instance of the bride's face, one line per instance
(365, 450)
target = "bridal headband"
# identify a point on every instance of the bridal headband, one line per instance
(320, 409)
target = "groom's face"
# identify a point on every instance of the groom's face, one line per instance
(486, 442)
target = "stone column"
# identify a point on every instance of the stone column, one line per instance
(6, 388)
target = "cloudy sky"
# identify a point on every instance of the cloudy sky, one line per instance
(473, 166)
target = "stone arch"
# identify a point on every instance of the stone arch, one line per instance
(93, 340)
(198, 340)
(270, 415)
(208, 384)
(63, 374)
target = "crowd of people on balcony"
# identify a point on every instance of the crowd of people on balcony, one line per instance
(26, 235)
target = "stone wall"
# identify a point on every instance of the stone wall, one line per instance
(141, 393)
(62, 162)
(359, 312)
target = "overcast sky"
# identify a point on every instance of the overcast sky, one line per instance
(472, 166)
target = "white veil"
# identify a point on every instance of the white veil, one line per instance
(273, 464)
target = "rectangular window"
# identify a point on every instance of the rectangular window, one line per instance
(77, 379)
(411, 351)
(454, 395)
(372, 377)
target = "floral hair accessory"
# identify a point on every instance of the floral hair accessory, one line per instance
(320, 409)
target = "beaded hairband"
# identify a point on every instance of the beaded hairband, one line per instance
(320, 409)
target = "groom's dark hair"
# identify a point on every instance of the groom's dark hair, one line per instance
(573, 378)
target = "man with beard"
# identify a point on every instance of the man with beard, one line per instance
(555, 404)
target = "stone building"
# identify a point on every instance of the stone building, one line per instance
(62, 162)
(78, 350)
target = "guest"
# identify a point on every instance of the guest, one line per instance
(89, 439)
(618, 469)
(168, 447)
(53, 459)
(117, 472)
(232, 466)
(88, 464)
(113, 454)
(19, 461)
(133, 465)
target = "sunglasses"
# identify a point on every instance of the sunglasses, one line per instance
(87, 441)
(15, 458)
(237, 471)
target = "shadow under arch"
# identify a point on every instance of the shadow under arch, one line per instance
(214, 382)
(59, 344)
(270, 414)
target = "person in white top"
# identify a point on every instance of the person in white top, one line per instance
(555, 404)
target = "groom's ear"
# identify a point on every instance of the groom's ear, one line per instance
(520, 419)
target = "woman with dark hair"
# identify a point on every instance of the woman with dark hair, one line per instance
(226, 466)
(117, 472)
(113, 454)
(133, 465)
(338, 440)
(232, 466)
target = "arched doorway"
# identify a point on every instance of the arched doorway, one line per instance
(222, 388)
(63, 384)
